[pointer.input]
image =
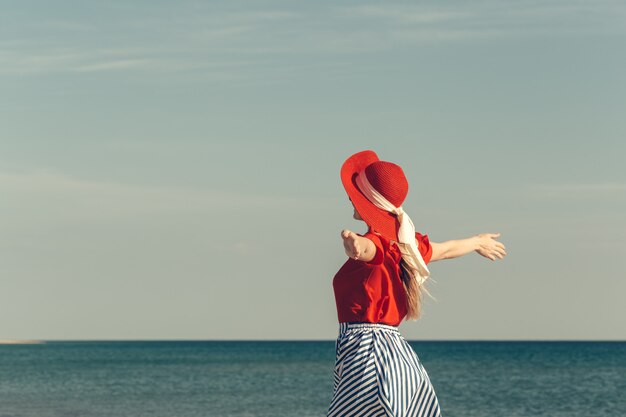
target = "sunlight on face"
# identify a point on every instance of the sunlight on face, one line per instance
(356, 214)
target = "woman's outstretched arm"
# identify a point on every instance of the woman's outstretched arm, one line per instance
(358, 247)
(484, 244)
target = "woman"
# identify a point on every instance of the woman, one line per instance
(376, 372)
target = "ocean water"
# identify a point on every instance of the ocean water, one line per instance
(246, 379)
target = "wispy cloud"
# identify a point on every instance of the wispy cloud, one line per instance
(198, 36)
(494, 13)
(37, 59)
(120, 64)
(409, 14)
(467, 21)
(589, 190)
(68, 198)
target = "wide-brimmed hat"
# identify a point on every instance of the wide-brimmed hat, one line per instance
(385, 177)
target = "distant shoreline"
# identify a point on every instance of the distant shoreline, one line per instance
(20, 342)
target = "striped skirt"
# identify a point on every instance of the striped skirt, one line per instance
(377, 373)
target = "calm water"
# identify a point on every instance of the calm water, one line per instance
(185, 379)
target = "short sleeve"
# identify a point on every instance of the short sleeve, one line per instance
(380, 249)
(424, 246)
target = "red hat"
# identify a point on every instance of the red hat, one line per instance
(387, 178)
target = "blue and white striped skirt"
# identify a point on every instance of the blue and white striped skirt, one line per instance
(377, 373)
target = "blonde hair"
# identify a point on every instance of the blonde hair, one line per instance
(413, 292)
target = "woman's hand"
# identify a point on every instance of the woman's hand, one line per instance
(351, 244)
(358, 247)
(489, 247)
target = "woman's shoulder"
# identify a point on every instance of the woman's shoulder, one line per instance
(383, 245)
(377, 238)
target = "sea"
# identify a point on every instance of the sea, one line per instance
(294, 378)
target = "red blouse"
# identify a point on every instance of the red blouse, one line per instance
(372, 291)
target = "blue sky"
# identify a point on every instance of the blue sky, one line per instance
(170, 170)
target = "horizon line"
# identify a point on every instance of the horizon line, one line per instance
(10, 342)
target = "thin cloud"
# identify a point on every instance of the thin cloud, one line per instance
(66, 196)
(200, 36)
(407, 14)
(471, 21)
(495, 12)
(115, 65)
(66, 59)
(77, 60)
(595, 190)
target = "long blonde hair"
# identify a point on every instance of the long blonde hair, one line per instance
(413, 292)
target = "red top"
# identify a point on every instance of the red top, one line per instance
(372, 292)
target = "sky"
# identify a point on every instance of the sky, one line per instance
(170, 170)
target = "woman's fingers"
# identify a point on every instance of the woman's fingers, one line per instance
(496, 252)
(491, 248)
(351, 244)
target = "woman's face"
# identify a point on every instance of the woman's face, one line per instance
(356, 214)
